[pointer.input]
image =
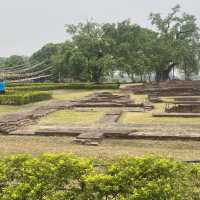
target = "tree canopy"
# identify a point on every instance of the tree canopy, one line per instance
(95, 51)
(178, 42)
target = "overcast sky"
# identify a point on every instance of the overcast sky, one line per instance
(26, 25)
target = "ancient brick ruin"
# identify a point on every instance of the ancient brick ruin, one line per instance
(107, 99)
(167, 88)
(108, 126)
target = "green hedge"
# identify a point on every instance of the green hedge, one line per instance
(30, 84)
(67, 177)
(20, 98)
(55, 86)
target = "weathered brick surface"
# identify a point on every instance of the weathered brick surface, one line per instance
(107, 99)
(167, 88)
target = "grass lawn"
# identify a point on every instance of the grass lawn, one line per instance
(139, 98)
(71, 117)
(146, 117)
(8, 109)
(57, 95)
(107, 150)
(183, 150)
(70, 94)
(130, 84)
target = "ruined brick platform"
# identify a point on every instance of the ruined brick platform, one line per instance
(174, 114)
(107, 99)
(14, 121)
(167, 88)
(94, 135)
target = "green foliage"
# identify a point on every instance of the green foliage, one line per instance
(21, 97)
(60, 177)
(177, 43)
(55, 86)
(2, 61)
(96, 51)
(94, 47)
(14, 61)
(57, 55)
(131, 46)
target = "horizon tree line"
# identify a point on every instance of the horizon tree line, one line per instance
(96, 51)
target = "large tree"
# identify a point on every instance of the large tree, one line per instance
(93, 48)
(131, 45)
(55, 56)
(15, 60)
(95, 51)
(177, 40)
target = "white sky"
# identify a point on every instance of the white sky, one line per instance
(27, 25)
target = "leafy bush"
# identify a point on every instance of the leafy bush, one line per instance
(20, 98)
(67, 177)
(55, 86)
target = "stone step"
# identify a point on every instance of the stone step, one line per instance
(164, 114)
(86, 142)
(58, 132)
(91, 135)
(165, 136)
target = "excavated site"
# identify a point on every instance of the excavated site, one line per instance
(184, 102)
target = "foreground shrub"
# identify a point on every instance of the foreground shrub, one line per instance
(67, 177)
(20, 98)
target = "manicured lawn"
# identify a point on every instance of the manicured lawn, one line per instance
(57, 95)
(71, 117)
(108, 149)
(183, 150)
(139, 98)
(70, 94)
(146, 118)
(8, 109)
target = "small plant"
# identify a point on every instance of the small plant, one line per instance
(21, 97)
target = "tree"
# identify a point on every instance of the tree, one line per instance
(176, 33)
(2, 61)
(56, 56)
(96, 51)
(77, 65)
(14, 61)
(94, 48)
(131, 46)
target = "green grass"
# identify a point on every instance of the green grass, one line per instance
(71, 117)
(70, 95)
(139, 98)
(109, 149)
(130, 84)
(146, 118)
(4, 109)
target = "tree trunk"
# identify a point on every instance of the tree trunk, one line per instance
(132, 77)
(149, 77)
(164, 74)
(141, 78)
(96, 74)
